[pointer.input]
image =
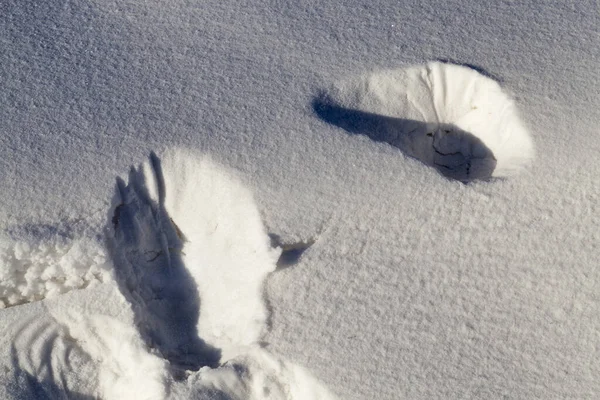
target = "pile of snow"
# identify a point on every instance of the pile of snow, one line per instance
(42, 261)
(190, 259)
(448, 116)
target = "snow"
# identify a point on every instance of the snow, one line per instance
(45, 261)
(449, 117)
(404, 273)
(195, 289)
(191, 240)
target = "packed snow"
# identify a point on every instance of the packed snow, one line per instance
(313, 200)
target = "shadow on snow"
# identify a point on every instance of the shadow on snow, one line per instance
(147, 250)
(456, 154)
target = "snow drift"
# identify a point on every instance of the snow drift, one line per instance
(448, 116)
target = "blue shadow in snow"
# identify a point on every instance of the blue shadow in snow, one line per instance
(146, 249)
(456, 154)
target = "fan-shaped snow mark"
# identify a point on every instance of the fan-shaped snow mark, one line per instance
(225, 247)
(147, 249)
(227, 255)
(41, 355)
(447, 116)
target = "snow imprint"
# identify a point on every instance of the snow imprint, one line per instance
(190, 257)
(447, 116)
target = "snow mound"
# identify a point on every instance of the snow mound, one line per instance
(42, 261)
(448, 116)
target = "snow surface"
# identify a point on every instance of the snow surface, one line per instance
(43, 261)
(195, 289)
(394, 281)
(447, 116)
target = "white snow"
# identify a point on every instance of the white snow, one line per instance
(41, 261)
(190, 257)
(405, 272)
(448, 116)
(189, 238)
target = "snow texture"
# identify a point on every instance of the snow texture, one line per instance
(44, 261)
(394, 281)
(448, 116)
(195, 288)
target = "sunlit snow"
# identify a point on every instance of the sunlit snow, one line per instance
(299, 200)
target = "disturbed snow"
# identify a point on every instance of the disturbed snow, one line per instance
(394, 281)
(190, 256)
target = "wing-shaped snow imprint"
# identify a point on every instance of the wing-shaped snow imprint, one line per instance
(191, 255)
(147, 250)
(447, 116)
